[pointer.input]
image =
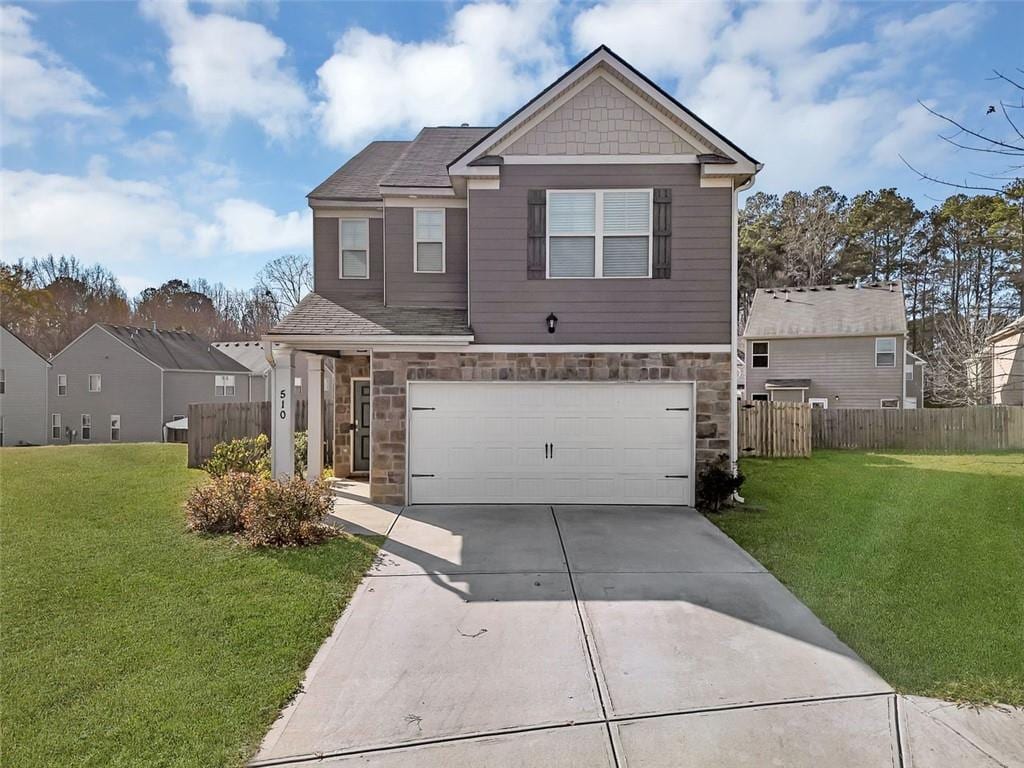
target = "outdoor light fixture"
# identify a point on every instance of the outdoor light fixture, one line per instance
(552, 321)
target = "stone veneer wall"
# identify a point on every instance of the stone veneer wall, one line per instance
(391, 371)
(345, 369)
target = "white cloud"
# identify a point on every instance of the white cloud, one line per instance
(120, 221)
(491, 60)
(656, 37)
(34, 81)
(231, 68)
(956, 21)
(158, 147)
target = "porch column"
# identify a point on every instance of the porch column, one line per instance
(315, 419)
(282, 414)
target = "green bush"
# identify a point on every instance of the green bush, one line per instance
(246, 454)
(220, 506)
(301, 452)
(287, 514)
(716, 483)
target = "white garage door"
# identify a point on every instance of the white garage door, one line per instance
(557, 442)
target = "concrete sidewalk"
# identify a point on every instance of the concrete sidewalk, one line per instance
(584, 636)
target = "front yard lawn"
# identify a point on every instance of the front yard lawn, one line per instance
(915, 561)
(127, 641)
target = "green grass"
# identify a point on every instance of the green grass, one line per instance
(127, 641)
(915, 561)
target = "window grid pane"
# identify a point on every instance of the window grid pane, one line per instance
(571, 257)
(625, 257)
(430, 225)
(627, 212)
(353, 263)
(429, 257)
(572, 213)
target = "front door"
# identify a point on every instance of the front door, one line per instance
(361, 433)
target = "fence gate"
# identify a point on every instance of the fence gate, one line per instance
(212, 423)
(774, 429)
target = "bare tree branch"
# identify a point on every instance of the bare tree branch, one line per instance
(925, 177)
(970, 132)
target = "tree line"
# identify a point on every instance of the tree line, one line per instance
(50, 301)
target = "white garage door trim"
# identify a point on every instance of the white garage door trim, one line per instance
(681, 395)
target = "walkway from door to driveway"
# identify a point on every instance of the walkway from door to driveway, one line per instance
(588, 636)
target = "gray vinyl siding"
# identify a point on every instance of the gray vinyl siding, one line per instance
(843, 366)
(326, 268)
(130, 387)
(23, 404)
(184, 387)
(407, 288)
(692, 307)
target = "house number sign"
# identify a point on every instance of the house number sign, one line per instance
(283, 414)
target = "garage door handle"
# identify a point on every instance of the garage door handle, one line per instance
(677, 409)
(415, 475)
(677, 477)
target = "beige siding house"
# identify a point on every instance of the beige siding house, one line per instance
(1007, 355)
(835, 346)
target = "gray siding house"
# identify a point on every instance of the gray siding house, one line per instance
(251, 354)
(540, 311)
(123, 384)
(23, 373)
(834, 346)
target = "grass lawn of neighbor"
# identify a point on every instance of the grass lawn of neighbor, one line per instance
(127, 641)
(916, 561)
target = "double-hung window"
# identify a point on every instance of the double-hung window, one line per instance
(115, 427)
(224, 386)
(759, 354)
(599, 233)
(354, 235)
(55, 426)
(429, 239)
(94, 382)
(86, 426)
(885, 353)
(62, 385)
(3, 381)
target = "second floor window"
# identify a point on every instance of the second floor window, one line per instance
(224, 386)
(429, 239)
(600, 233)
(62, 384)
(94, 382)
(759, 354)
(885, 353)
(355, 248)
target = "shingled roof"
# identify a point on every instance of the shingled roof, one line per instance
(359, 178)
(174, 350)
(424, 163)
(317, 315)
(818, 311)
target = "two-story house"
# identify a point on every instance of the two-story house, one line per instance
(23, 373)
(542, 311)
(1006, 353)
(833, 346)
(118, 383)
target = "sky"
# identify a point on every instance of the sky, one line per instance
(164, 139)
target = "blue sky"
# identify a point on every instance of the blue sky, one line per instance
(163, 139)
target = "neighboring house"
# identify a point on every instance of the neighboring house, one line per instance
(741, 377)
(23, 374)
(1007, 364)
(834, 346)
(252, 355)
(122, 384)
(538, 312)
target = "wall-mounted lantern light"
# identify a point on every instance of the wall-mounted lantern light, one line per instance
(552, 321)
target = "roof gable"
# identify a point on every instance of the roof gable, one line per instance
(23, 343)
(629, 81)
(826, 311)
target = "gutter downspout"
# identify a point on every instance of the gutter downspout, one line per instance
(734, 327)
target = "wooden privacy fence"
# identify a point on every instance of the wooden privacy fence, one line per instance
(212, 423)
(980, 428)
(774, 429)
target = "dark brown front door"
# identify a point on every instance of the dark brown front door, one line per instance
(361, 434)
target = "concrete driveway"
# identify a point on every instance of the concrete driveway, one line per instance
(580, 636)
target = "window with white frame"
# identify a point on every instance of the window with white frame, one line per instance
(354, 236)
(86, 426)
(223, 386)
(908, 372)
(818, 402)
(115, 427)
(759, 397)
(55, 426)
(885, 353)
(599, 233)
(94, 382)
(429, 239)
(297, 382)
(759, 354)
(890, 402)
(62, 384)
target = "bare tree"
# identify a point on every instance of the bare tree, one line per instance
(959, 366)
(287, 279)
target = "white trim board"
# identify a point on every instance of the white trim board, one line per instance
(603, 159)
(413, 201)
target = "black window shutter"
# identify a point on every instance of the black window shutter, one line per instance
(536, 231)
(662, 266)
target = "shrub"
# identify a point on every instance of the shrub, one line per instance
(221, 505)
(287, 513)
(301, 452)
(716, 483)
(246, 454)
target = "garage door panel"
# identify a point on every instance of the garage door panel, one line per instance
(612, 442)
